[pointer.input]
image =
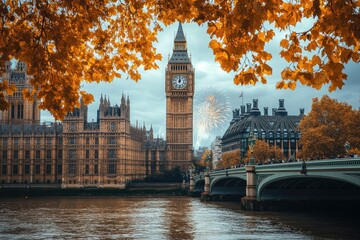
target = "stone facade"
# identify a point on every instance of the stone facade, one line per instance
(107, 153)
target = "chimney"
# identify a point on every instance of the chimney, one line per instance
(248, 107)
(242, 109)
(255, 103)
(273, 111)
(255, 110)
(266, 111)
(281, 103)
(302, 110)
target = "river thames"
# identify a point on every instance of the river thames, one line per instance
(161, 218)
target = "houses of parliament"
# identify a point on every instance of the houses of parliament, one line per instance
(106, 153)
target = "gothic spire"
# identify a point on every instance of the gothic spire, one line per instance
(180, 54)
(180, 37)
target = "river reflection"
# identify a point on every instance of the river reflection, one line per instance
(158, 218)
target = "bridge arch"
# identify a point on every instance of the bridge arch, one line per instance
(313, 186)
(228, 186)
(199, 185)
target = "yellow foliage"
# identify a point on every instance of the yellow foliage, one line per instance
(67, 42)
(326, 129)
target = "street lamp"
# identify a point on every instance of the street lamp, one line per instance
(251, 142)
(347, 147)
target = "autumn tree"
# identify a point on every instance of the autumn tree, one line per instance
(263, 152)
(276, 153)
(67, 42)
(229, 159)
(206, 159)
(326, 129)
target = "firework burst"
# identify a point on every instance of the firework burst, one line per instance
(212, 113)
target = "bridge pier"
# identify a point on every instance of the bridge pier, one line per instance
(191, 189)
(250, 202)
(205, 196)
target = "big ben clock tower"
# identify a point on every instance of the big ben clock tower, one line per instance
(179, 89)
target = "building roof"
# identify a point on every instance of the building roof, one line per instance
(30, 129)
(180, 57)
(253, 121)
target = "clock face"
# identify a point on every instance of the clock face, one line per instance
(179, 81)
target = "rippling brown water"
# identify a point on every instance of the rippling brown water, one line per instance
(159, 218)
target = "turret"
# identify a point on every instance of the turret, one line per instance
(128, 108)
(151, 134)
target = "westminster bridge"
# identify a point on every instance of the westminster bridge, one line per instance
(321, 180)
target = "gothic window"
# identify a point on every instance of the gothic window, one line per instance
(37, 169)
(72, 154)
(87, 169)
(72, 140)
(48, 141)
(3, 169)
(111, 153)
(87, 140)
(48, 168)
(48, 154)
(27, 169)
(96, 140)
(112, 168)
(38, 140)
(15, 169)
(37, 154)
(72, 168)
(96, 169)
(5, 142)
(4, 154)
(16, 142)
(27, 142)
(60, 154)
(96, 154)
(112, 126)
(72, 127)
(12, 111)
(87, 154)
(59, 169)
(20, 111)
(27, 154)
(16, 154)
(111, 140)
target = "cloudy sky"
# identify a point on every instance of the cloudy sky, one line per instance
(148, 95)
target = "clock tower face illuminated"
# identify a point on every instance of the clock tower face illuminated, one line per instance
(179, 89)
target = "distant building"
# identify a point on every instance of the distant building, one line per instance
(200, 151)
(107, 152)
(216, 151)
(278, 129)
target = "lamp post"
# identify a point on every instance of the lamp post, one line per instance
(347, 147)
(251, 142)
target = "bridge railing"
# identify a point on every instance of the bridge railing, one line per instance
(310, 165)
